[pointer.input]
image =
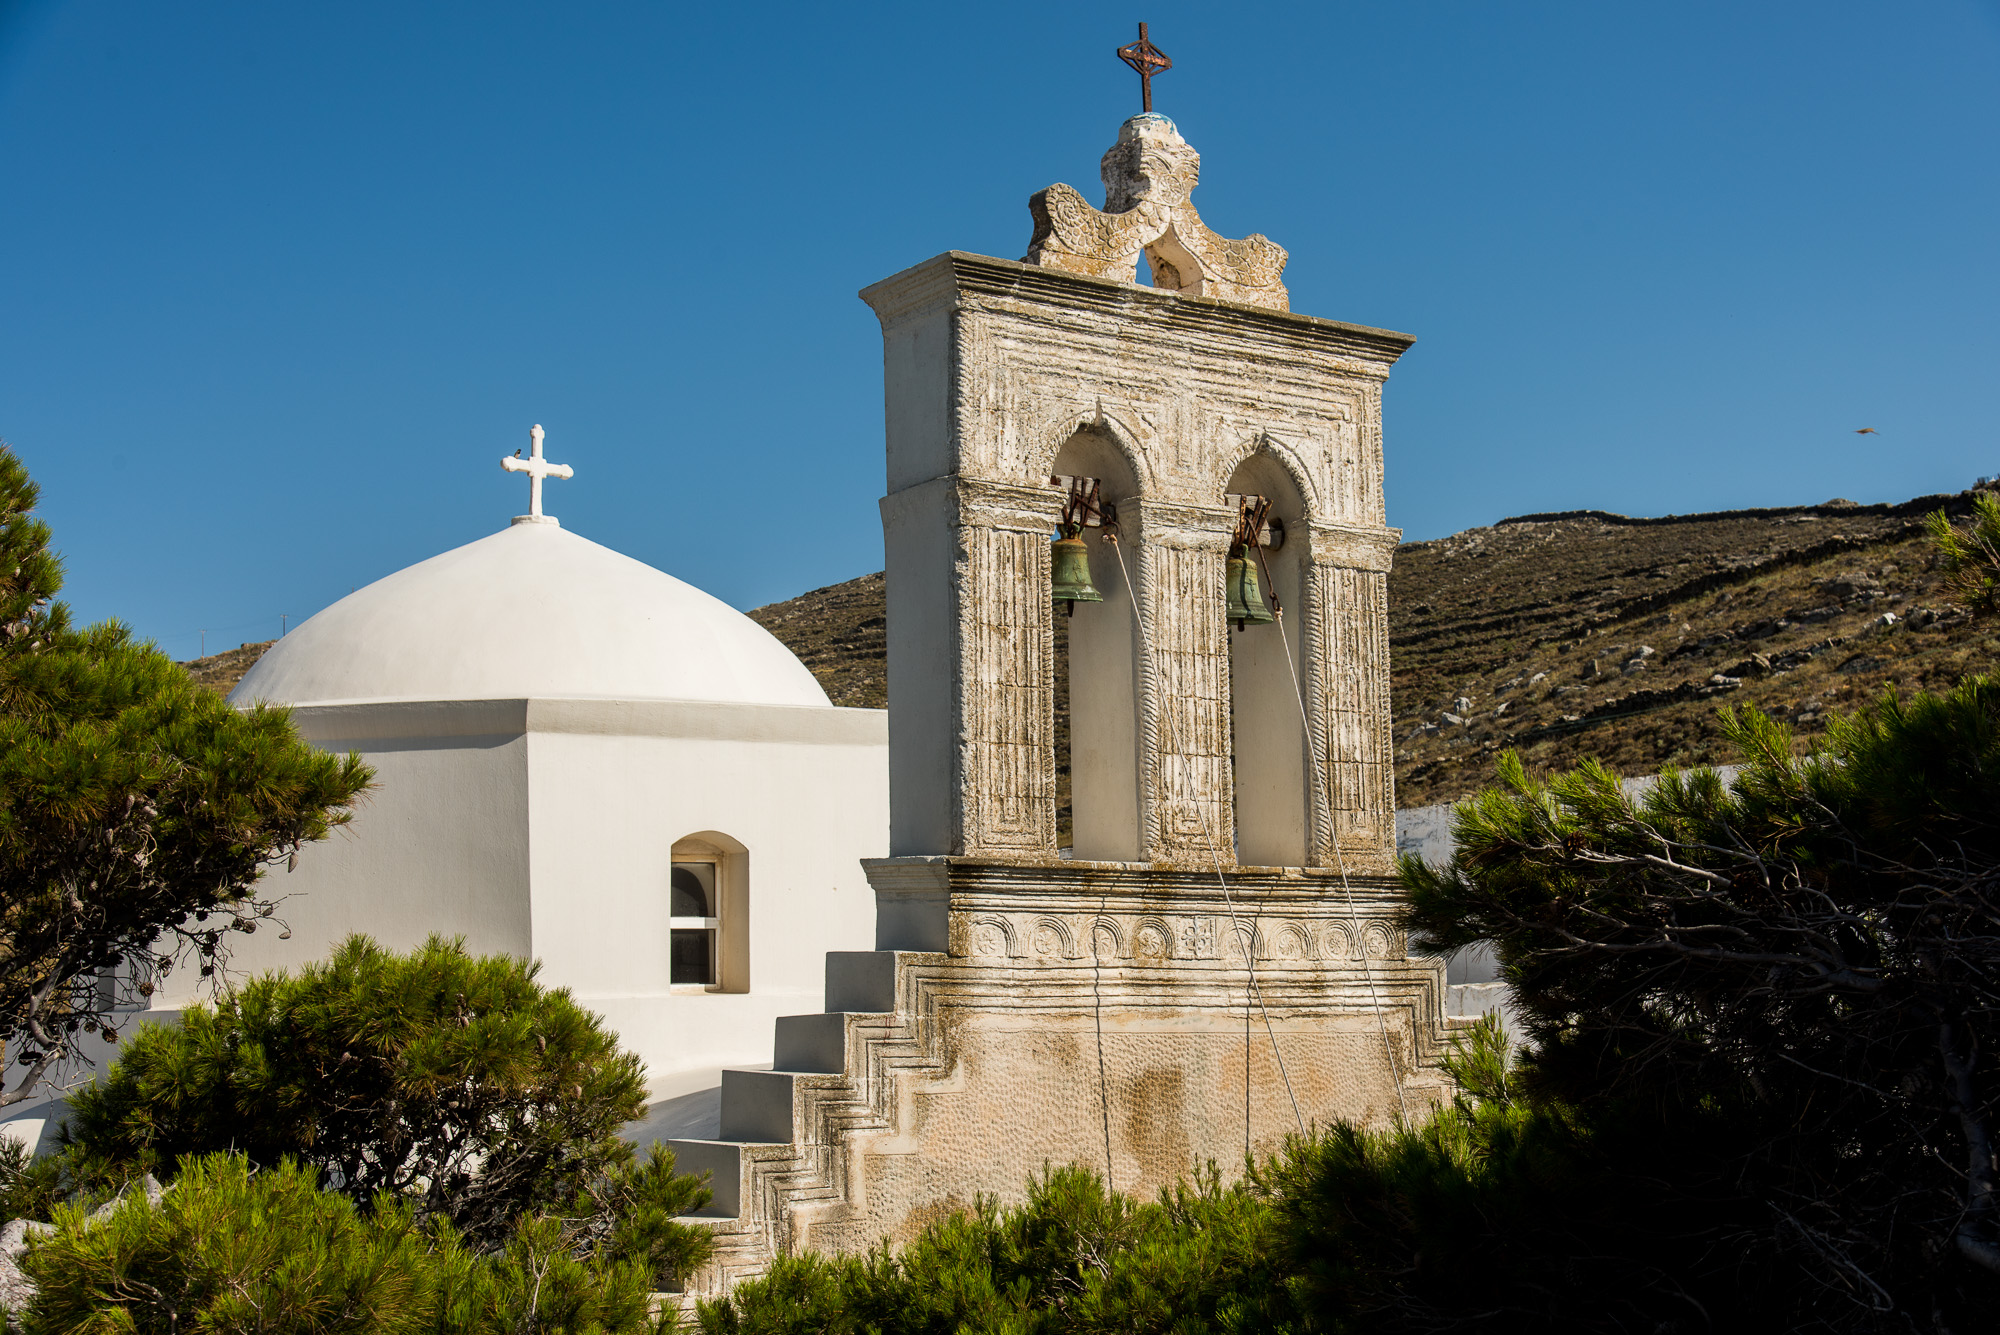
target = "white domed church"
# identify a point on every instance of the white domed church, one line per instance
(583, 760)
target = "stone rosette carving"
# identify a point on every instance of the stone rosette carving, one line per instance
(1040, 938)
(1148, 175)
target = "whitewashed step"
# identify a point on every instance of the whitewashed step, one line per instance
(723, 1162)
(757, 1106)
(815, 1043)
(861, 980)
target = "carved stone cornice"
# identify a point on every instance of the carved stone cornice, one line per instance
(1060, 912)
(1030, 877)
(1176, 524)
(1355, 548)
(1010, 506)
(915, 291)
(965, 280)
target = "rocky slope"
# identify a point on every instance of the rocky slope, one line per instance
(1576, 634)
(842, 633)
(1565, 636)
(222, 671)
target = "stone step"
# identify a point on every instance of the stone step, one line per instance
(815, 1043)
(861, 980)
(759, 1112)
(757, 1106)
(723, 1161)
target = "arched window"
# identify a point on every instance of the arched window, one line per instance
(695, 924)
(708, 926)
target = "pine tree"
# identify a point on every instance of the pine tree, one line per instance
(232, 1250)
(137, 809)
(1970, 557)
(452, 1081)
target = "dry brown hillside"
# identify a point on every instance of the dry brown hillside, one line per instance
(1576, 634)
(1593, 634)
(222, 671)
(1573, 635)
(842, 633)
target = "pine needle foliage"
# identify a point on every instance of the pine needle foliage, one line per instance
(137, 810)
(31, 1186)
(1795, 980)
(30, 574)
(1970, 556)
(453, 1082)
(1073, 1257)
(231, 1250)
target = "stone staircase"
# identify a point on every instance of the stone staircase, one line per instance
(1040, 1025)
(783, 1131)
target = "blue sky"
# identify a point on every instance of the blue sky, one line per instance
(281, 283)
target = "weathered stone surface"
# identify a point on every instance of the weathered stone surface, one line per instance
(999, 372)
(1148, 175)
(16, 1289)
(1095, 1013)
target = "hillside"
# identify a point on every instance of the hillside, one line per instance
(1575, 634)
(220, 672)
(1572, 635)
(842, 633)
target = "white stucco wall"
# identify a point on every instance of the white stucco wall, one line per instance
(614, 784)
(545, 829)
(439, 845)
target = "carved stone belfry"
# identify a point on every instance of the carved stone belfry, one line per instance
(1206, 957)
(1192, 745)
(1148, 175)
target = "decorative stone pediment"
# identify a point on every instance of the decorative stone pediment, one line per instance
(1148, 175)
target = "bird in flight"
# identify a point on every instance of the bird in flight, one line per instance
(1863, 431)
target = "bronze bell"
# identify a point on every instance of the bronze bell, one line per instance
(1069, 570)
(1246, 599)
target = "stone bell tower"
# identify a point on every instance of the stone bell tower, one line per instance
(1190, 743)
(1212, 959)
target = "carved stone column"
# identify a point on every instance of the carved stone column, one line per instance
(1347, 665)
(1189, 807)
(1006, 671)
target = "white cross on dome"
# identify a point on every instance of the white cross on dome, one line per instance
(537, 468)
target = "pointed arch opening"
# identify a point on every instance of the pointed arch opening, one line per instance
(1097, 663)
(1268, 745)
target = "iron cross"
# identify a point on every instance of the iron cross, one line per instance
(1148, 60)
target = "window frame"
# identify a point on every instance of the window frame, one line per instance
(729, 903)
(711, 925)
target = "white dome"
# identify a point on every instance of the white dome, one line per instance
(532, 611)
